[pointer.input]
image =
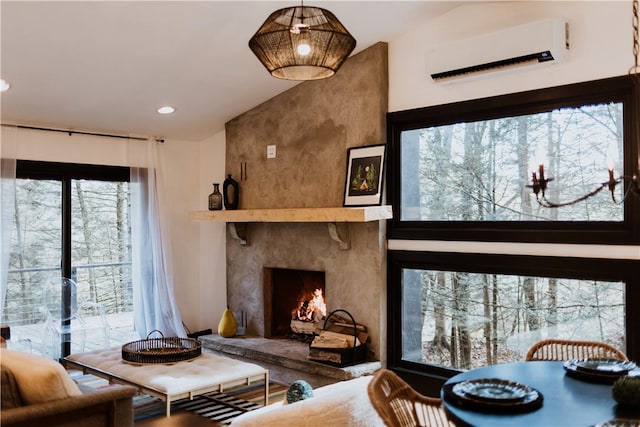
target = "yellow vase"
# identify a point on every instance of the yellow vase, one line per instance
(228, 325)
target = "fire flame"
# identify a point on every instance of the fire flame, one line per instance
(312, 309)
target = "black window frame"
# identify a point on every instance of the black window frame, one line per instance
(430, 378)
(623, 89)
(66, 173)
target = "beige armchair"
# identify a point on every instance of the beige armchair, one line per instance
(39, 392)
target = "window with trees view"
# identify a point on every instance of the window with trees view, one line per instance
(453, 312)
(478, 171)
(70, 221)
(467, 320)
(461, 172)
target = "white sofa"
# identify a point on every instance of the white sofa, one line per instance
(345, 403)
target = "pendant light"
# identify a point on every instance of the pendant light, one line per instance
(302, 43)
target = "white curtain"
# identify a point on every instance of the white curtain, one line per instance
(8, 155)
(155, 305)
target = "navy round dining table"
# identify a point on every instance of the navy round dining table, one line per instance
(567, 401)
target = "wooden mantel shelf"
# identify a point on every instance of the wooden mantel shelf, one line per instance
(362, 214)
(331, 216)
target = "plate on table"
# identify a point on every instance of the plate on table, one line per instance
(492, 389)
(493, 395)
(607, 366)
(598, 369)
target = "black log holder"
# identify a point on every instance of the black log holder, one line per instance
(347, 356)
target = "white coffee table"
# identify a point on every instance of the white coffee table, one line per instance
(171, 381)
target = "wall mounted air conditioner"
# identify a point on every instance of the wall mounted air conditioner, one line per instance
(540, 42)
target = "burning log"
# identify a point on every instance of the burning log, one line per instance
(300, 327)
(308, 316)
(310, 310)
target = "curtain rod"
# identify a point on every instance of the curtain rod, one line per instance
(70, 132)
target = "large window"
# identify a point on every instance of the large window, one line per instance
(70, 221)
(478, 171)
(460, 171)
(460, 311)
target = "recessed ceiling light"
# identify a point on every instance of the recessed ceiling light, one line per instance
(167, 109)
(4, 86)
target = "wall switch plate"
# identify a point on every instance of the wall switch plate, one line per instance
(271, 151)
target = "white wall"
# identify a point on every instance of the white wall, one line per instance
(65, 148)
(600, 37)
(189, 167)
(601, 47)
(211, 293)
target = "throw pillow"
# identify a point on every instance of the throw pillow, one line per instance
(299, 390)
(39, 379)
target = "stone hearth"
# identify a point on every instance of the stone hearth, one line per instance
(286, 353)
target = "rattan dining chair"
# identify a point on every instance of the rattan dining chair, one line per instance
(399, 405)
(560, 349)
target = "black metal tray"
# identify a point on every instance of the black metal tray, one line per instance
(161, 350)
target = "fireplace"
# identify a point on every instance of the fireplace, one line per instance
(287, 291)
(354, 279)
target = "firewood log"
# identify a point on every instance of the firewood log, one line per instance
(324, 335)
(300, 327)
(324, 356)
(362, 336)
(323, 341)
(359, 327)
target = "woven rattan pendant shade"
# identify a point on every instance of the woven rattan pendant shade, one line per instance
(276, 43)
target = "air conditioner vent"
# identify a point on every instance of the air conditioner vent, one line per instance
(534, 43)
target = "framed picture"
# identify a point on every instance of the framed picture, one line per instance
(365, 168)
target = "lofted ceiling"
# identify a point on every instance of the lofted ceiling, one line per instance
(106, 66)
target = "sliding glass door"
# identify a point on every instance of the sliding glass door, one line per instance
(36, 252)
(71, 221)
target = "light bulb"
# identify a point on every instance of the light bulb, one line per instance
(304, 49)
(166, 110)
